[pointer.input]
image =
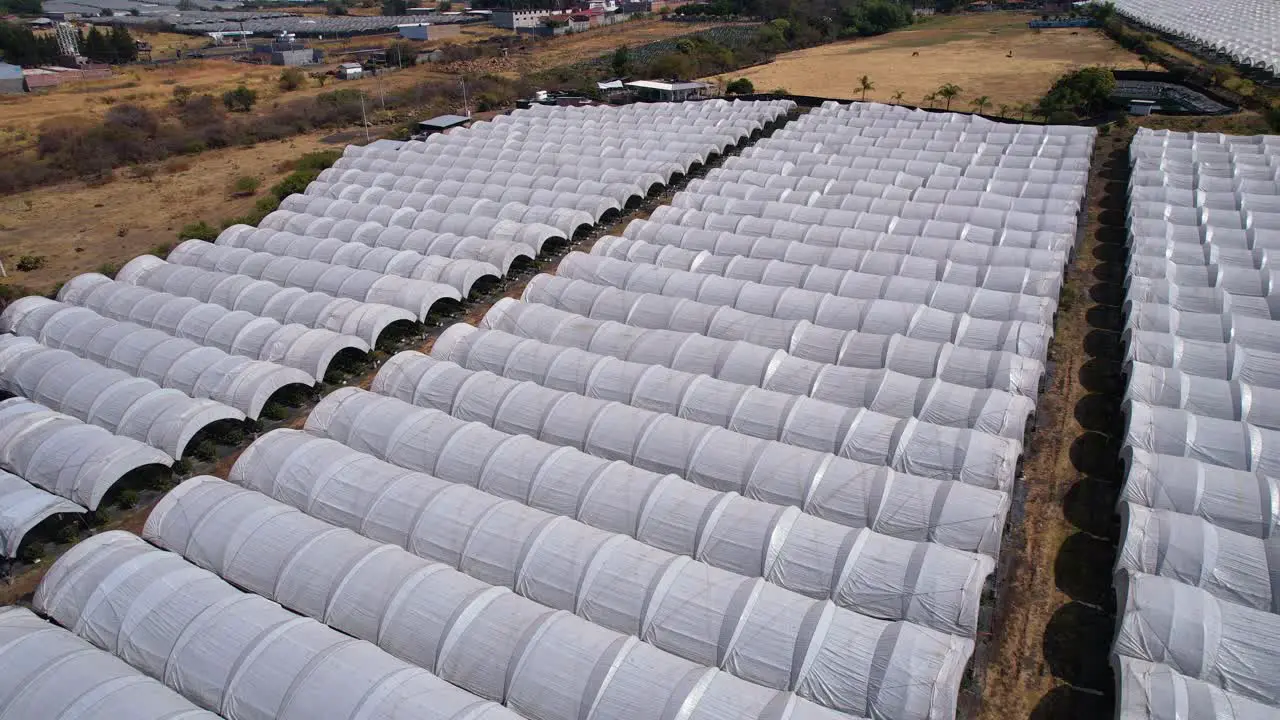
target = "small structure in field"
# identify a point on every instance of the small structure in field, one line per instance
(664, 91)
(350, 71)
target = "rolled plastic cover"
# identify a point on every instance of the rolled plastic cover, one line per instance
(416, 296)
(1236, 500)
(907, 445)
(196, 370)
(971, 366)
(233, 331)
(52, 674)
(1222, 361)
(132, 407)
(1248, 332)
(1205, 396)
(775, 639)
(237, 654)
(1230, 566)
(1197, 635)
(868, 572)
(1148, 691)
(979, 302)
(65, 456)
(22, 507)
(885, 391)
(821, 484)
(261, 297)
(459, 273)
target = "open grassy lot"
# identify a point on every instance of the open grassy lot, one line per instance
(78, 228)
(971, 51)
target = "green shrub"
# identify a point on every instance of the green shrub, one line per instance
(30, 263)
(129, 498)
(741, 86)
(291, 79)
(198, 231)
(240, 100)
(245, 185)
(32, 552)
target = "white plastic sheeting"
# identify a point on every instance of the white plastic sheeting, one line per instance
(842, 286)
(49, 673)
(1190, 550)
(775, 639)
(467, 183)
(196, 370)
(980, 301)
(1244, 30)
(416, 296)
(233, 331)
(459, 273)
(994, 411)
(566, 220)
(1205, 396)
(1240, 501)
(1194, 633)
(859, 569)
(927, 352)
(1147, 691)
(237, 654)
(950, 260)
(1199, 572)
(563, 208)
(499, 253)
(260, 297)
(818, 483)
(542, 664)
(461, 223)
(927, 448)
(22, 507)
(58, 453)
(814, 225)
(133, 407)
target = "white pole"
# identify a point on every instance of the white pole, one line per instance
(363, 118)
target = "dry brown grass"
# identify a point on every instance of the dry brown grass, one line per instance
(967, 50)
(112, 223)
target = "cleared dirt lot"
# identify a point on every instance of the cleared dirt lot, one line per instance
(968, 50)
(79, 228)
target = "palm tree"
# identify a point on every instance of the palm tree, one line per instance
(949, 92)
(865, 84)
(980, 104)
(929, 99)
(1025, 109)
(897, 96)
(1004, 111)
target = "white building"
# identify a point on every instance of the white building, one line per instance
(513, 19)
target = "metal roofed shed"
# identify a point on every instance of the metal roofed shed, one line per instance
(663, 91)
(440, 123)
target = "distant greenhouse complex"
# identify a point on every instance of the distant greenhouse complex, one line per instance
(1246, 32)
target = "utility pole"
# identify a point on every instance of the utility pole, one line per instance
(466, 109)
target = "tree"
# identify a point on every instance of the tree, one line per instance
(320, 78)
(1103, 12)
(96, 46)
(291, 78)
(239, 100)
(22, 7)
(402, 54)
(621, 61)
(949, 92)
(1004, 110)
(897, 96)
(865, 84)
(395, 7)
(181, 94)
(334, 7)
(1146, 61)
(929, 99)
(122, 45)
(980, 104)
(1025, 109)
(444, 6)
(741, 86)
(1081, 92)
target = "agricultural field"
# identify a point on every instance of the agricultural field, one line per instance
(78, 228)
(993, 54)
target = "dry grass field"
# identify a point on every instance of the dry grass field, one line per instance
(971, 51)
(79, 228)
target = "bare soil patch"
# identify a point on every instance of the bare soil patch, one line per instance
(971, 51)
